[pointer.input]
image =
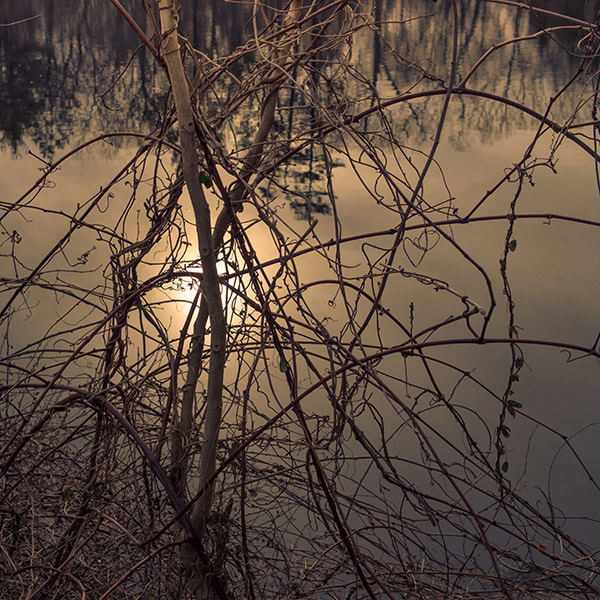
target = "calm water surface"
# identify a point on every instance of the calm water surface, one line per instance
(60, 87)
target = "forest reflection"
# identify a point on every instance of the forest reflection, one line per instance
(75, 69)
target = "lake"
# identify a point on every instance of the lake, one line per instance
(436, 319)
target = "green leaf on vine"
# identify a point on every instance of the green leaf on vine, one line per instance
(205, 179)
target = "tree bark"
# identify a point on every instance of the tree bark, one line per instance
(210, 285)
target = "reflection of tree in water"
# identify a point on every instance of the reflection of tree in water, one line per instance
(302, 181)
(524, 72)
(59, 91)
(303, 186)
(21, 93)
(55, 69)
(61, 86)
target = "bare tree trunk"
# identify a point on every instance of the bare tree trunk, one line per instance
(208, 248)
(210, 283)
